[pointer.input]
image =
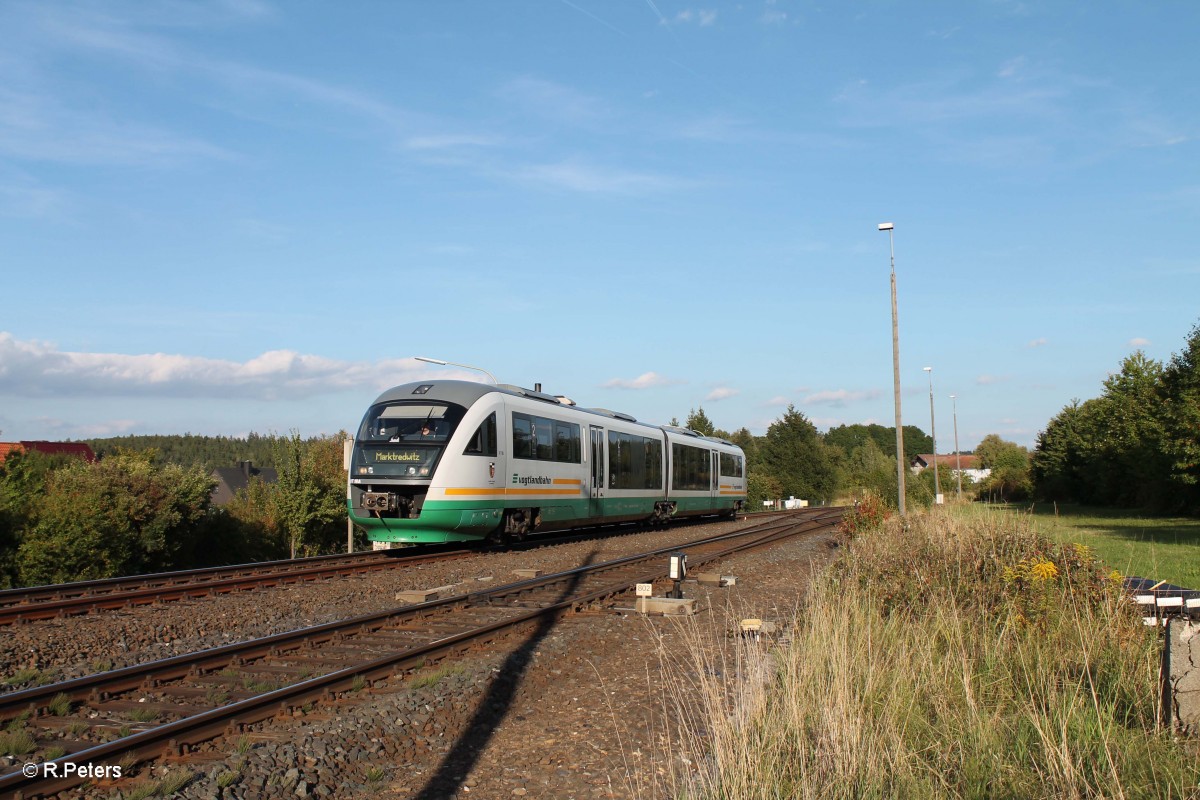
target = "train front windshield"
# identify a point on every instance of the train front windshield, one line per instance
(403, 440)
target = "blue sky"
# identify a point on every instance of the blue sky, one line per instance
(249, 216)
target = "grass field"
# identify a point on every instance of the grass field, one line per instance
(956, 654)
(1162, 548)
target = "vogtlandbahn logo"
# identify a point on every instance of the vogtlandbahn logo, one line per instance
(536, 480)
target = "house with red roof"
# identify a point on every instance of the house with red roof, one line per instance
(74, 449)
(968, 465)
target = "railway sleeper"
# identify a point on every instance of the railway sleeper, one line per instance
(69, 747)
(158, 706)
(230, 692)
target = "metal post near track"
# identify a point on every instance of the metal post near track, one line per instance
(890, 227)
(937, 487)
(347, 451)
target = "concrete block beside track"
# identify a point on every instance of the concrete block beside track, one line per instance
(668, 606)
(1181, 675)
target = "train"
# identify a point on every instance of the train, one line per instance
(458, 461)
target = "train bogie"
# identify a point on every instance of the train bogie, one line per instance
(457, 461)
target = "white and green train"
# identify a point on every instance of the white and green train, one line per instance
(448, 461)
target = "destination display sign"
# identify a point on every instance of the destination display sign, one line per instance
(398, 456)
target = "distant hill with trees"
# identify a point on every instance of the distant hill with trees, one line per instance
(191, 450)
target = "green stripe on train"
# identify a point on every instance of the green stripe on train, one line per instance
(470, 520)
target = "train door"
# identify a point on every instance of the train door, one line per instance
(716, 474)
(596, 494)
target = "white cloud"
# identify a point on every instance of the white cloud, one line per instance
(703, 17)
(34, 127)
(39, 369)
(778, 400)
(1139, 342)
(63, 429)
(722, 393)
(988, 380)
(555, 101)
(773, 16)
(26, 200)
(446, 141)
(1012, 67)
(646, 380)
(839, 397)
(1041, 342)
(581, 177)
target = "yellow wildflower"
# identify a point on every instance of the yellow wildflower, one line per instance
(1043, 570)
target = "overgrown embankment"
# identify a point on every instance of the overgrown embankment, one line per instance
(961, 655)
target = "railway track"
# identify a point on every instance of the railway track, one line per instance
(165, 707)
(64, 599)
(83, 597)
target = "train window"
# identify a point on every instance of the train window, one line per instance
(483, 441)
(731, 465)
(635, 462)
(409, 423)
(653, 464)
(690, 467)
(543, 439)
(566, 442)
(522, 428)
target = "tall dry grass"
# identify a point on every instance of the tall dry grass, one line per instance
(958, 656)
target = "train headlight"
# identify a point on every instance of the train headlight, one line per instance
(380, 501)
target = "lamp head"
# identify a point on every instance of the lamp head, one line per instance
(430, 360)
(886, 226)
(927, 369)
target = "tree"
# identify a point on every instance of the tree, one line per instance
(310, 493)
(1009, 465)
(759, 487)
(1058, 464)
(1180, 395)
(869, 470)
(794, 454)
(1138, 444)
(699, 422)
(119, 516)
(848, 437)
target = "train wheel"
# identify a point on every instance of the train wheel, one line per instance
(516, 525)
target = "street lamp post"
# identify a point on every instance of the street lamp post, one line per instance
(453, 364)
(937, 487)
(889, 227)
(957, 456)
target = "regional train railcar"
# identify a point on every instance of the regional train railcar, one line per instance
(460, 461)
(707, 475)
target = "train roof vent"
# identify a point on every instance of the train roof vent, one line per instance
(564, 400)
(719, 439)
(530, 393)
(614, 414)
(684, 431)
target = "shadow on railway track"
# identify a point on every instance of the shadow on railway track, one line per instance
(492, 708)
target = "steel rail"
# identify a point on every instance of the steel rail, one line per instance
(175, 737)
(129, 591)
(52, 601)
(58, 591)
(134, 676)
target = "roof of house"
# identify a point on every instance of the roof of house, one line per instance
(952, 461)
(77, 449)
(231, 480)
